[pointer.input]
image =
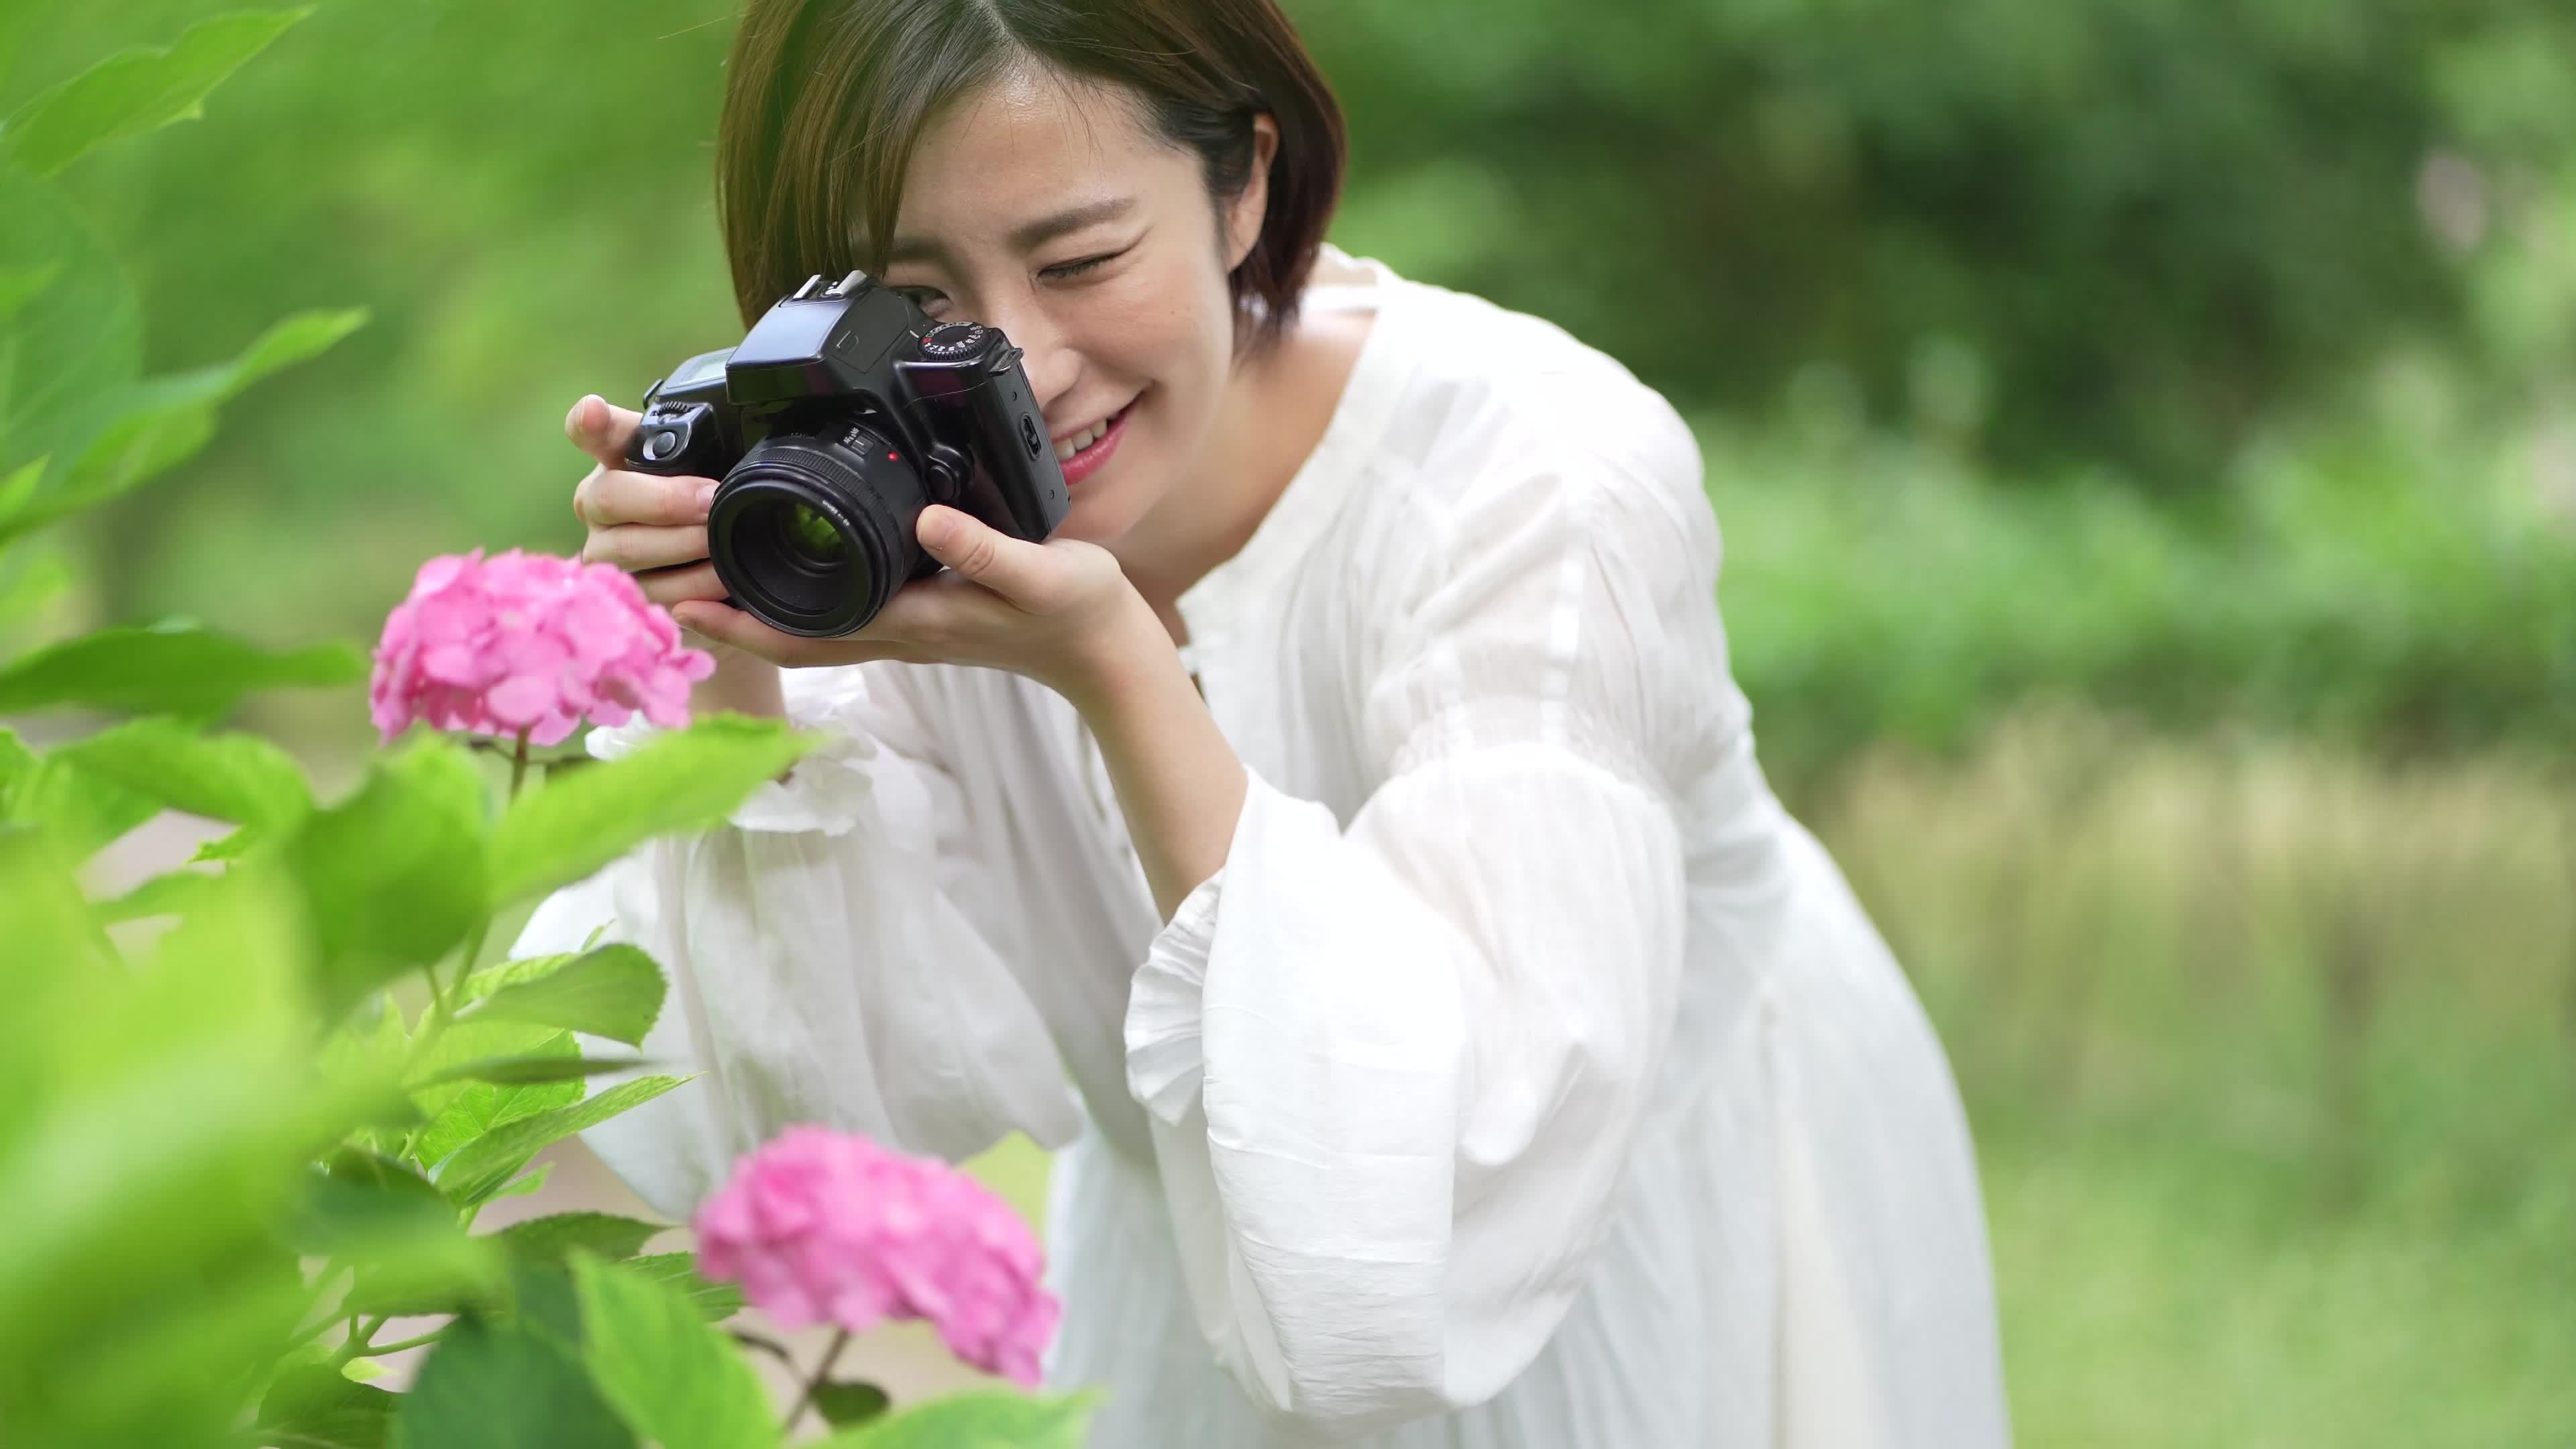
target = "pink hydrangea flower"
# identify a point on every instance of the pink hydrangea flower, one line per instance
(529, 642)
(823, 1226)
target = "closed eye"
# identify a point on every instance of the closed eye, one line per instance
(1067, 270)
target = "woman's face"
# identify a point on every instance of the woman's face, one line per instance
(1046, 207)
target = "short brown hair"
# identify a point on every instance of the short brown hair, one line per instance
(825, 100)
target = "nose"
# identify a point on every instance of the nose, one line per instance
(1047, 355)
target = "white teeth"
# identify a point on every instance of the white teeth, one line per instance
(1065, 450)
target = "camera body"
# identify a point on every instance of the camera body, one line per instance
(842, 414)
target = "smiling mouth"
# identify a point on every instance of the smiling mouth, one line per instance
(1065, 448)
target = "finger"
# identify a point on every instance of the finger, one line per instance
(600, 428)
(610, 497)
(1011, 567)
(728, 625)
(636, 547)
(670, 587)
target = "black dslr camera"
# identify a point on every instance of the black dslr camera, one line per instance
(843, 414)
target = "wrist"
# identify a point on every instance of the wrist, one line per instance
(1128, 662)
(741, 684)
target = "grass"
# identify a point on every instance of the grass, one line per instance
(2270, 1054)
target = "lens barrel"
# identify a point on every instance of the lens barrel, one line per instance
(812, 532)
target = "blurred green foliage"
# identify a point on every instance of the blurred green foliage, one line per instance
(2115, 247)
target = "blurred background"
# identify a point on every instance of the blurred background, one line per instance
(2145, 436)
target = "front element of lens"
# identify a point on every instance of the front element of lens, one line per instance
(813, 531)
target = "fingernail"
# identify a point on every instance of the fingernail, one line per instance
(936, 529)
(706, 497)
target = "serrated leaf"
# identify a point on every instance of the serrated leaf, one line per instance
(234, 777)
(989, 1419)
(187, 671)
(461, 1111)
(482, 1165)
(846, 1404)
(316, 1406)
(491, 1386)
(510, 973)
(611, 991)
(715, 1301)
(551, 1238)
(685, 780)
(673, 1378)
(393, 876)
(138, 90)
(532, 1071)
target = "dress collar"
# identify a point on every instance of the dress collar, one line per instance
(1212, 606)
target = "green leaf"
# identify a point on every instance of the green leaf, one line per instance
(612, 991)
(846, 1404)
(163, 422)
(989, 1419)
(715, 1301)
(356, 1197)
(673, 1378)
(19, 488)
(482, 1165)
(236, 777)
(532, 1071)
(18, 285)
(172, 893)
(549, 1239)
(491, 1386)
(316, 1406)
(75, 345)
(227, 847)
(33, 574)
(527, 1186)
(17, 765)
(137, 90)
(393, 876)
(462, 1110)
(685, 780)
(443, 1273)
(81, 811)
(181, 670)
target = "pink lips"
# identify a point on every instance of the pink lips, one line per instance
(1092, 459)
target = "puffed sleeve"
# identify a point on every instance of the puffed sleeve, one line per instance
(819, 967)
(1395, 1067)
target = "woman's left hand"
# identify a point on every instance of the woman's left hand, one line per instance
(1060, 612)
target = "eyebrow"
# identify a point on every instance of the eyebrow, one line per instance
(1027, 238)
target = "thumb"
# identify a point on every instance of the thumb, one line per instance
(601, 429)
(981, 553)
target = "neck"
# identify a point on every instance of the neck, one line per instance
(1273, 413)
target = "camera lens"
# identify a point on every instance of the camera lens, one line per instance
(808, 537)
(813, 530)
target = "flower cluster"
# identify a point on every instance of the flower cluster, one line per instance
(529, 643)
(823, 1226)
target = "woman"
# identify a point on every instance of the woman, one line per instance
(1351, 802)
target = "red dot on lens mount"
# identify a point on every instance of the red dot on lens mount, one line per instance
(891, 458)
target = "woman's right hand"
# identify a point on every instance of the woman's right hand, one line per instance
(655, 527)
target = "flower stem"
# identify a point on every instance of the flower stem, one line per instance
(822, 1373)
(444, 1002)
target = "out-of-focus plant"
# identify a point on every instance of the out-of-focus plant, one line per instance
(229, 1157)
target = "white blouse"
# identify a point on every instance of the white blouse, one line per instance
(1526, 1079)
